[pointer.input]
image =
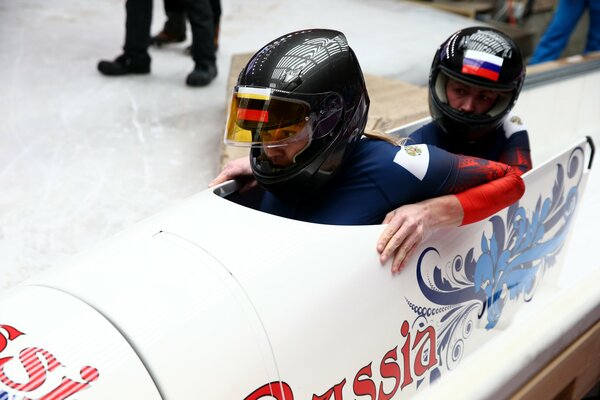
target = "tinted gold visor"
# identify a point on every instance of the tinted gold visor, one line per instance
(259, 116)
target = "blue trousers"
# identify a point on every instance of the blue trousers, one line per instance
(565, 18)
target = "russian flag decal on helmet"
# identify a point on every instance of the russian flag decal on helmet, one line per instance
(482, 64)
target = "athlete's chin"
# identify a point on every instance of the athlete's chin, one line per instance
(281, 162)
(471, 137)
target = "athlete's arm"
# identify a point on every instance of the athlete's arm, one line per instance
(517, 153)
(503, 188)
(410, 225)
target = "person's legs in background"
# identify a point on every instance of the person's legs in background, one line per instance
(216, 9)
(174, 28)
(558, 32)
(593, 35)
(200, 15)
(135, 58)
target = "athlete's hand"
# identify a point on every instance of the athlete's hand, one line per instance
(412, 224)
(238, 169)
(408, 226)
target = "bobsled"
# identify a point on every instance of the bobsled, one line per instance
(212, 299)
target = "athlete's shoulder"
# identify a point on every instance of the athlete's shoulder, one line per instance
(378, 158)
(428, 133)
(513, 124)
(368, 145)
(371, 153)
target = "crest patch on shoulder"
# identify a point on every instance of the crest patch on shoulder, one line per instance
(516, 120)
(414, 159)
(413, 150)
(513, 124)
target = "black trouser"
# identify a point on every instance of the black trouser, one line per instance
(175, 10)
(175, 23)
(201, 17)
(216, 9)
(139, 18)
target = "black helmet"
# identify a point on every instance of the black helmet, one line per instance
(479, 56)
(304, 93)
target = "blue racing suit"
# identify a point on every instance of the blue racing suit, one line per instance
(378, 177)
(508, 144)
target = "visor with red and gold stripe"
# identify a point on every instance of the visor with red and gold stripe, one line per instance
(269, 117)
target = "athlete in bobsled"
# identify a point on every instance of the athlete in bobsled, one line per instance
(301, 105)
(474, 82)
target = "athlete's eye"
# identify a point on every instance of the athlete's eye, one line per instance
(487, 97)
(459, 91)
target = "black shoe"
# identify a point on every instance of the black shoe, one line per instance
(166, 38)
(123, 65)
(202, 74)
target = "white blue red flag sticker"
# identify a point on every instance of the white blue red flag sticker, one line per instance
(482, 64)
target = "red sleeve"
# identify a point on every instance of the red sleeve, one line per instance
(517, 153)
(505, 186)
(519, 159)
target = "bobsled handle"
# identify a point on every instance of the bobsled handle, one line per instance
(593, 148)
(227, 188)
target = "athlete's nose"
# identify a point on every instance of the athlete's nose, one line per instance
(468, 105)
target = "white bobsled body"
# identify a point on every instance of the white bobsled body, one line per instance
(214, 300)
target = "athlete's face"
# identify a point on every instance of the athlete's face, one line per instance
(470, 99)
(283, 156)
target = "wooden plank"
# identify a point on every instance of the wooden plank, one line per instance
(562, 62)
(571, 375)
(394, 103)
(543, 6)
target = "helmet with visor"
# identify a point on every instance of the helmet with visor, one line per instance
(300, 104)
(482, 58)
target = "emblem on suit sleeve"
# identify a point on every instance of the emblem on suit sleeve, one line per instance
(513, 124)
(516, 120)
(412, 150)
(414, 159)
